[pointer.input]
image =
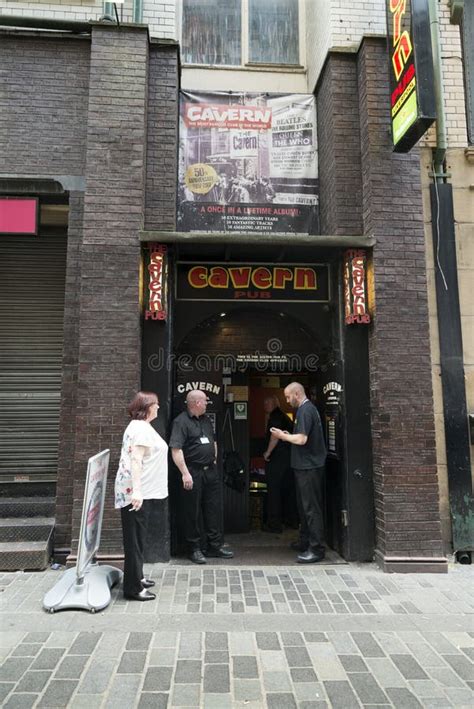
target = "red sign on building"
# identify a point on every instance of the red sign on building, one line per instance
(355, 294)
(253, 282)
(19, 215)
(156, 309)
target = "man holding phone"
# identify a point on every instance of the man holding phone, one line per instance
(308, 458)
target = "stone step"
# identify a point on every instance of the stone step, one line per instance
(27, 506)
(25, 556)
(25, 529)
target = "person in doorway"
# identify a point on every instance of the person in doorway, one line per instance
(142, 476)
(308, 458)
(277, 458)
(194, 452)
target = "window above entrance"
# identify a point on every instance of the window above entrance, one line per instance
(241, 32)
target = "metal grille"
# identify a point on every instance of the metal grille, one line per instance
(32, 281)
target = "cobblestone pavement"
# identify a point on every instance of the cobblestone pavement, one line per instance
(278, 637)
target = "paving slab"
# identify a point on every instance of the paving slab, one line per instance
(242, 637)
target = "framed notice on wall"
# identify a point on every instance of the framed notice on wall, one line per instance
(240, 410)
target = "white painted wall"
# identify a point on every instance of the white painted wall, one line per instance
(159, 14)
(453, 82)
(251, 80)
(339, 25)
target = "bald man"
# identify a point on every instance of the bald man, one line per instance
(194, 452)
(308, 458)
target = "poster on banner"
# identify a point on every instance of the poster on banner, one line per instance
(248, 162)
(92, 510)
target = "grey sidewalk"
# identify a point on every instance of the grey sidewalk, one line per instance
(322, 636)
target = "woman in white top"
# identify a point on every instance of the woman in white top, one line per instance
(142, 476)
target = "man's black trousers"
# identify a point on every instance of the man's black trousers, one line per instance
(310, 499)
(276, 471)
(134, 529)
(204, 497)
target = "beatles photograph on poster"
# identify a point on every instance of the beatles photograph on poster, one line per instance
(248, 163)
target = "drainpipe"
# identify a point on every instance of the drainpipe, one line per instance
(45, 23)
(441, 141)
(138, 11)
(456, 422)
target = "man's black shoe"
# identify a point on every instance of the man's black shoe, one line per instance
(144, 595)
(298, 546)
(310, 557)
(147, 583)
(219, 552)
(197, 557)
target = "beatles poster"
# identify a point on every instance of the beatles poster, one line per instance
(248, 163)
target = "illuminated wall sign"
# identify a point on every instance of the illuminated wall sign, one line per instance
(19, 215)
(156, 283)
(412, 102)
(280, 283)
(355, 297)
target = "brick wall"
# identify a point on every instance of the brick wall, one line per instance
(341, 25)
(67, 419)
(453, 82)
(109, 369)
(350, 21)
(109, 334)
(403, 435)
(161, 176)
(160, 15)
(340, 173)
(251, 331)
(339, 147)
(79, 107)
(51, 75)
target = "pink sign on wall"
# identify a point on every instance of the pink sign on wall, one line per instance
(18, 215)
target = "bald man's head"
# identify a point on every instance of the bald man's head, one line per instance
(196, 401)
(295, 394)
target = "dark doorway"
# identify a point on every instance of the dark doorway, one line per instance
(222, 339)
(254, 352)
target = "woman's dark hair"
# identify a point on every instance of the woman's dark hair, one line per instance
(141, 402)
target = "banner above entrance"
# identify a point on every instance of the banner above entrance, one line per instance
(248, 163)
(276, 282)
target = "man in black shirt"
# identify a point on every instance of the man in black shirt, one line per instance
(308, 458)
(194, 453)
(277, 469)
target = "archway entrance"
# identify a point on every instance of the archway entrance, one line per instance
(241, 355)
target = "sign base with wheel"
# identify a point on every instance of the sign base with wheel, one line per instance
(91, 593)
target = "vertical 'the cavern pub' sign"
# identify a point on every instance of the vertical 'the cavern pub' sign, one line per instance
(412, 102)
(355, 292)
(156, 288)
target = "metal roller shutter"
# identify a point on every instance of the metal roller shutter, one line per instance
(32, 282)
